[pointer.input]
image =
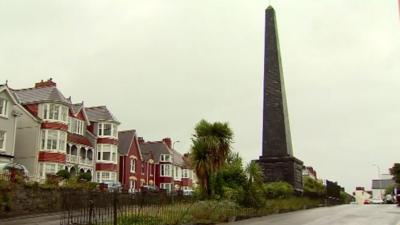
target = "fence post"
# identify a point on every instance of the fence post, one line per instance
(115, 212)
(91, 206)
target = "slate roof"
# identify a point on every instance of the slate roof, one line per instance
(76, 107)
(154, 148)
(44, 94)
(178, 158)
(382, 184)
(100, 113)
(125, 141)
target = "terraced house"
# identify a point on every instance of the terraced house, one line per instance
(63, 136)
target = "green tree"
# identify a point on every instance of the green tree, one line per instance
(211, 145)
(395, 171)
(64, 174)
(313, 188)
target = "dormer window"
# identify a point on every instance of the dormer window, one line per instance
(3, 108)
(76, 126)
(54, 112)
(165, 158)
(107, 130)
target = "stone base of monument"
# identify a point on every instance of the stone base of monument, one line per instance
(288, 169)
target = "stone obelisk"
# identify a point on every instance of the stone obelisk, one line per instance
(277, 160)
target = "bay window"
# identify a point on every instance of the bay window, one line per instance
(2, 140)
(49, 168)
(3, 108)
(165, 170)
(107, 153)
(107, 130)
(54, 140)
(104, 176)
(57, 112)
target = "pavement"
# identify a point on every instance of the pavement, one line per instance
(338, 215)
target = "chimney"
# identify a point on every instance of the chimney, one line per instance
(48, 83)
(168, 142)
(141, 140)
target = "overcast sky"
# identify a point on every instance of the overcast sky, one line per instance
(162, 65)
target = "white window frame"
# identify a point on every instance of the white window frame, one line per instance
(4, 144)
(142, 168)
(61, 142)
(4, 108)
(100, 175)
(43, 169)
(113, 153)
(185, 173)
(62, 115)
(133, 165)
(165, 158)
(132, 186)
(113, 132)
(165, 170)
(166, 186)
(76, 126)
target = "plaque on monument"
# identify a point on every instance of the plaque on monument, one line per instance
(277, 160)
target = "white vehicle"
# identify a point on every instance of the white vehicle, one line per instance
(377, 201)
(187, 192)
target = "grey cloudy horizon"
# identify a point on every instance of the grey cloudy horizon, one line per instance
(161, 66)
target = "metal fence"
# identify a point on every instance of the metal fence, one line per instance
(108, 208)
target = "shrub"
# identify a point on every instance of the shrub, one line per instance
(64, 174)
(278, 190)
(313, 188)
(213, 211)
(85, 176)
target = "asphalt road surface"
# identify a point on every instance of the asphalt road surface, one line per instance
(338, 215)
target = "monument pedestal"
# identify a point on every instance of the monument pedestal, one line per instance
(287, 168)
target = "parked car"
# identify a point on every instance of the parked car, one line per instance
(389, 199)
(377, 201)
(113, 186)
(187, 192)
(367, 202)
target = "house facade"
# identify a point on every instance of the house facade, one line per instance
(12, 114)
(61, 138)
(172, 172)
(104, 126)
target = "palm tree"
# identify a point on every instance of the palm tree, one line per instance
(254, 173)
(211, 145)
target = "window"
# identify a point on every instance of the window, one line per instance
(132, 185)
(49, 168)
(151, 169)
(165, 158)
(133, 165)
(165, 186)
(165, 170)
(185, 173)
(54, 140)
(104, 176)
(107, 152)
(76, 126)
(55, 112)
(107, 130)
(2, 140)
(143, 168)
(3, 108)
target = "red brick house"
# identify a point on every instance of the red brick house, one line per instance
(136, 169)
(172, 172)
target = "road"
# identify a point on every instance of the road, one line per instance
(338, 215)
